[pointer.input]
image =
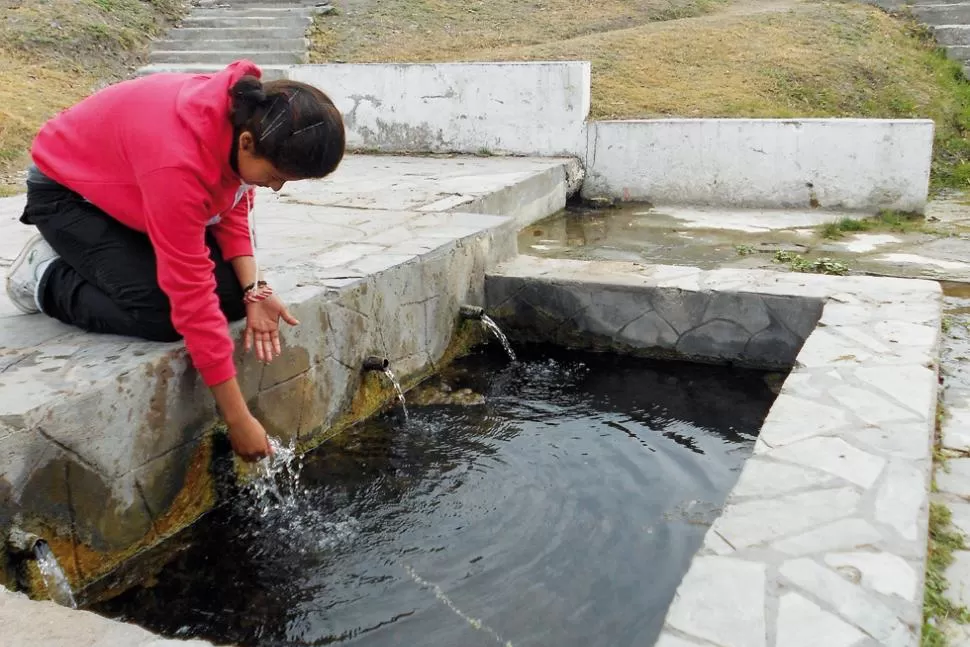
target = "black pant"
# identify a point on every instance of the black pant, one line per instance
(105, 280)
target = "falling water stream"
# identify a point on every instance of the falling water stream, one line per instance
(400, 392)
(58, 588)
(490, 325)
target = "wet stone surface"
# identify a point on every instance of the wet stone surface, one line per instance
(935, 248)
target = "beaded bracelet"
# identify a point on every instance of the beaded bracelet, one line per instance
(256, 292)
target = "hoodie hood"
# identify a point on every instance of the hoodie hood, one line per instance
(204, 106)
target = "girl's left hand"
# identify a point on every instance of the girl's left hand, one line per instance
(263, 327)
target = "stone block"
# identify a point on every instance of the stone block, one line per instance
(746, 310)
(881, 572)
(960, 516)
(766, 478)
(902, 499)
(851, 601)
(750, 523)
(773, 346)
(802, 623)
(834, 456)
(303, 345)
(958, 576)
(799, 315)
(714, 339)
(280, 408)
(844, 534)
(647, 331)
(913, 387)
(683, 310)
(954, 478)
(900, 440)
(792, 418)
(722, 600)
(330, 388)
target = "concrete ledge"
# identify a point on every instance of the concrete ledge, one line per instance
(105, 441)
(44, 624)
(514, 108)
(825, 532)
(647, 313)
(864, 164)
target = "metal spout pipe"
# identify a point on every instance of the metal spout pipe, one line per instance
(471, 312)
(22, 544)
(375, 363)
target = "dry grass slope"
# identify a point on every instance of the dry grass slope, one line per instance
(55, 52)
(747, 58)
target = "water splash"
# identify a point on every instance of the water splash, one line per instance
(400, 392)
(279, 505)
(491, 326)
(58, 588)
(276, 481)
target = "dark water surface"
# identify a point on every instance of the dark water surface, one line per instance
(563, 512)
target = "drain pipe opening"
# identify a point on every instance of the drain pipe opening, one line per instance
(23, 544)
(375, 363)
(471, 312)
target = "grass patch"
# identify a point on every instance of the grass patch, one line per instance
(55, 52)
(798, 263)
(818, 59)
(886, 220)
(942, 542)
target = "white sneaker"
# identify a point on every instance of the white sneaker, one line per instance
(23, 277)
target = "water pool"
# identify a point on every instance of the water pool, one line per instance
(561, 512)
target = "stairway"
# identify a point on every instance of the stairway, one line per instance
(949, 21)
(271, 34)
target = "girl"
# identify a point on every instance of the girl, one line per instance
(142, 193)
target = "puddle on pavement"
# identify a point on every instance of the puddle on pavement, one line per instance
(640, 233)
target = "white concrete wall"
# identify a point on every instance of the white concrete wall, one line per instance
(829, 163)
(511, 108)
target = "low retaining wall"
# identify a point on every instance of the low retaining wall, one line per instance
(540, 109)
(828, 163)
(514, 108)
(825, 532)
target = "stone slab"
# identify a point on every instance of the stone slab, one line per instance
(27, 623)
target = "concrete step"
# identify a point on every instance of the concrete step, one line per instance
(205, 34)
(949, 35)
(226, 57)
(959, 52)
(952, 14)
(237, 45)
(254, 12)
(270, 72)
(248, 22)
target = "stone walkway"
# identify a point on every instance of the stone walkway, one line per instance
(953, 479)
(949, 22)
(217, 32)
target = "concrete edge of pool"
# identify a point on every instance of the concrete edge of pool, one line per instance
(823, 538)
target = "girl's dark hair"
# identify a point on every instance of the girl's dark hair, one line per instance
(294, 125)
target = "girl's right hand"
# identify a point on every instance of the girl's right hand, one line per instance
(249, 439)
